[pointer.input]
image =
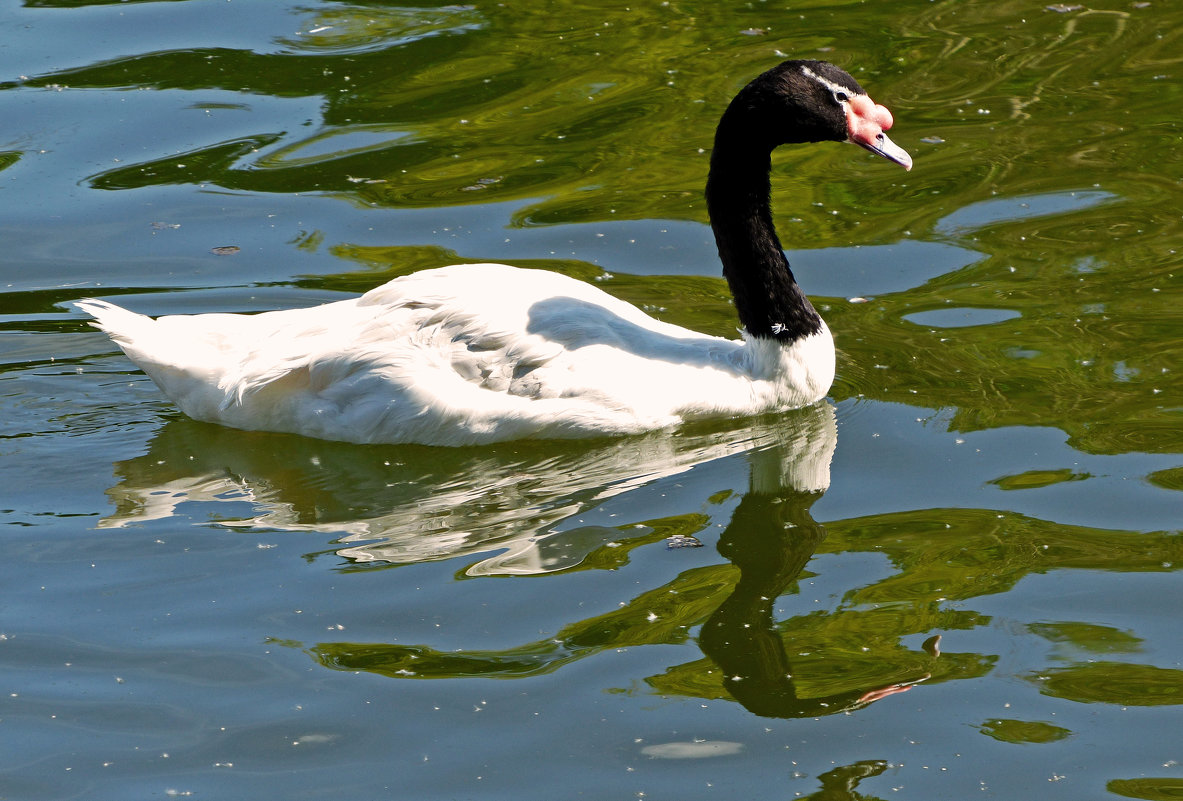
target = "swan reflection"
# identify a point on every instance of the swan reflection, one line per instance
(770, 538)
(517, 510)
(390, 505)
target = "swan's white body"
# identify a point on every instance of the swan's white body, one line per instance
(466, 354)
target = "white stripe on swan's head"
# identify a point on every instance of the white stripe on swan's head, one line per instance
(826, 82)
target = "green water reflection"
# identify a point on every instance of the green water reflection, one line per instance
(1024, 731)
(1157, 789)
(517, 513)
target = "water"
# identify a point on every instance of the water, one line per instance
(188, 610)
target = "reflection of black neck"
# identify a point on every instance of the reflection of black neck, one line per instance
(770, 539)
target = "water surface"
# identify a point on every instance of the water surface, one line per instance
(954, 578)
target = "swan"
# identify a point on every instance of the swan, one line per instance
(480, 353)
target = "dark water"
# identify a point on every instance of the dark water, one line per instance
(191, 611)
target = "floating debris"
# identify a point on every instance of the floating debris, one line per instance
(482, 183)
(682, 541)
(225, 250)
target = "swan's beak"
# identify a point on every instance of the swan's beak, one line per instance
(882, 146)
(866, 122)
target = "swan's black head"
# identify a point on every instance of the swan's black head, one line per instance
(809, 101)
(797, 101)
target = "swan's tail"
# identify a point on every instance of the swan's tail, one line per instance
(123, 326)
(175, 354)
(141, 338)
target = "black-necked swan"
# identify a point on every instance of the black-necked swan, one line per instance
(480, 353)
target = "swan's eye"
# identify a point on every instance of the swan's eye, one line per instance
(840, 97)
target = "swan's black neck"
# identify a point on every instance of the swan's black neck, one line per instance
(767, 297)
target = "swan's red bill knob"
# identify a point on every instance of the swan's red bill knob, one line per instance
(866, 122)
